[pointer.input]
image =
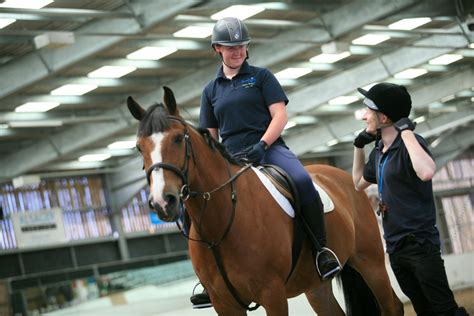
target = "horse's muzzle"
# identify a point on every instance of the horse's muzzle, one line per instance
(170, 213)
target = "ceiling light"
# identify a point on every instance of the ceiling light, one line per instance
(409, 24)
(410, 73)
(344, 99)
(5, 22)
(3, 126)
(36, 106)
(238, 11)
(332, 142)
(292, 73)
(471, 45)
(111, 71)
(123, 144)
(74, 89)
(329, 58)
(419, 119)
(446, 59)
(152, 53)
(45, 123)
(371, 39)
(94, 157)
(26, 4)
(194, 31)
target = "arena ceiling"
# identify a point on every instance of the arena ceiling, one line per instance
(62, 43)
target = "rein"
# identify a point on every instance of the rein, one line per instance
(186, 193)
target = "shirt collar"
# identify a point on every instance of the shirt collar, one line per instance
(396, 143)
(244, 69)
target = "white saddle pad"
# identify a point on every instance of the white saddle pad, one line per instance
(283, 201)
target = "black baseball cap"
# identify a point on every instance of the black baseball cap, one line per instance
(390, 99)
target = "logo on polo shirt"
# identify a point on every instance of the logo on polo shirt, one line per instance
(249, 82)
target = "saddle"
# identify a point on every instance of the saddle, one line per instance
(283, 183)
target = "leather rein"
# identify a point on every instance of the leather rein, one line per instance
(186, 193)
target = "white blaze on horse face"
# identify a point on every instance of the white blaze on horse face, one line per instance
(158, 182)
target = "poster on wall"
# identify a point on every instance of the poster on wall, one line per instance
(39, 228)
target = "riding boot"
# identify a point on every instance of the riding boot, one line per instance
(327, 263)
(200, 300)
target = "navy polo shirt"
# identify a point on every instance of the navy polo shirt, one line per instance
(410, 202)
(238, 107)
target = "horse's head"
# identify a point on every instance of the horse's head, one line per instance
(164, 143)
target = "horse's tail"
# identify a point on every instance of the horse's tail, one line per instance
(358, 297)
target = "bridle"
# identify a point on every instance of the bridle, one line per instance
(186, 193)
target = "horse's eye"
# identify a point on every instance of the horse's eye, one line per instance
(178, 138)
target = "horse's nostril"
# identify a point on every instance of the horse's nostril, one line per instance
(170, 200)
(150, 204)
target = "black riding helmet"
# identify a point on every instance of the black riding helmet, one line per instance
(390, 99)
(230, 32)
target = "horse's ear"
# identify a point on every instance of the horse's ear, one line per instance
(135, 108)
(170, 102)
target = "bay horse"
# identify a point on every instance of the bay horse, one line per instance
(240, 241)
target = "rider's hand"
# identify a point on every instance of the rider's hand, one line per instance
(363, 139)
(404, 124)
(256, 152)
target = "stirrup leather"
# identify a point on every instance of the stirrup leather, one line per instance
(195, 297)
(333, 271)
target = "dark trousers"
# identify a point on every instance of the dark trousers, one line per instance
(420, 272)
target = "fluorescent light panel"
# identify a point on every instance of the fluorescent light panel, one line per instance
(194, 32)
(371, 39)
(152, 53)
(409, 24)
(25, 4)
(292, 73)
(111, 71)
(6, 22)
(238, 11)
(36, 106)
(410, 73)
(73, 89)
(445, 59)
(329, 58)
(94, 157)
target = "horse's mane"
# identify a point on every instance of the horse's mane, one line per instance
(155, 120)
(214, 144)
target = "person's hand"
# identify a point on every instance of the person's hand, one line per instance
(363, 139)
(404, 124)
(255, 152)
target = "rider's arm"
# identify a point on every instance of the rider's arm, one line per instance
(279, 120)
(422, 162)
(358, 170)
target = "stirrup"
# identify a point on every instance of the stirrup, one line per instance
(330, 274)
(200, 300)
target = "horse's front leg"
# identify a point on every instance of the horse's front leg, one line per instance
(274, 300)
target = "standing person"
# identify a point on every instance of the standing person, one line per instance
(245, 106)
(402, 166)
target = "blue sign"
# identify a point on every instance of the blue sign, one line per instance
(154, 218)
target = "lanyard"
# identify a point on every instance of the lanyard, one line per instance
(380, 172)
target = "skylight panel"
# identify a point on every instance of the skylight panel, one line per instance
(74, 89)
(111, 71)
(446, 59)
(292, 73)
(152, 53)
(329, 58)
(409, 24)
(371, 39)
(410, 73)
(25, 4)
(94, 157)
(194, 32)
(6, 22)
(238, 11)
(36, 106)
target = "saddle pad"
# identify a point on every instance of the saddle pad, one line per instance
(283, 201)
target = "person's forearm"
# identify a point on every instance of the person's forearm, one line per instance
(276, 127)
(423, 164)
(358, 169)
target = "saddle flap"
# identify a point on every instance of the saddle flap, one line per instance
(282, 182)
